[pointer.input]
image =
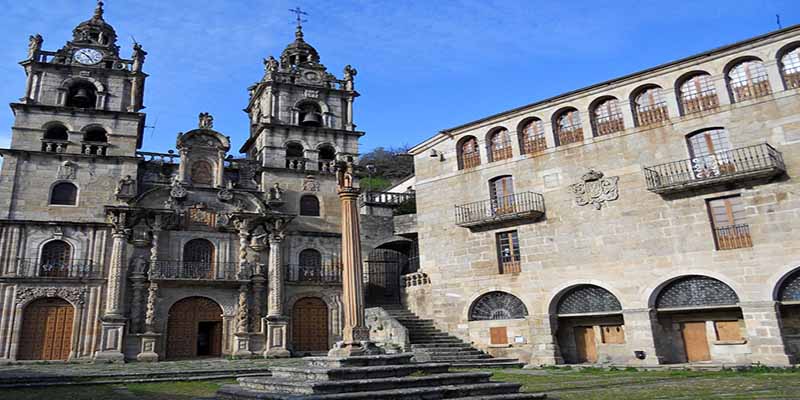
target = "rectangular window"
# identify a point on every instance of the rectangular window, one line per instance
(727, 221)
(728, 330)
(613, 334)
(498, 335)
(508, 252)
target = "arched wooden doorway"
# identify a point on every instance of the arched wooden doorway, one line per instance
(46, 330)
(310, 325)
(590, 325)
(194, 329)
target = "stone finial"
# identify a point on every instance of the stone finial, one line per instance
(34, 45)
(271, 64)
(138, 57)
(98, 10)
(349, 73)
(206, 121)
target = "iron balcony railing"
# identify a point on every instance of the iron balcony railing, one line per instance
(33, 267)
(194, 270)
(733, 237)
(325, 273)
(761, 160)
(500, 209)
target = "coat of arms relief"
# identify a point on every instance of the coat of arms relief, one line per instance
(595, 189)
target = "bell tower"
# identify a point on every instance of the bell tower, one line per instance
(301, 115)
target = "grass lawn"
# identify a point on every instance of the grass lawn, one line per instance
(137, 391)
(596, 384)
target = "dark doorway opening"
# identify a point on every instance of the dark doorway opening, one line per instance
(206, 337)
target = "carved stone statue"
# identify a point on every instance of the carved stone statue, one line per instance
(67, 170)
(34, 45)
(344, 175)
(271, 65)
(349, 73)
(275, 192)
(126, 188)
(177, 191)
(206, 121)
(139, 265)
(138, 57)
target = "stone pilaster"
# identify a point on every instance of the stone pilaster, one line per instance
(639, 324)
(543, 341)
(149, 339)
(762, 321)
(277, 324)
(258, 291)
(242, 337)
(112, 329)
(137, 299)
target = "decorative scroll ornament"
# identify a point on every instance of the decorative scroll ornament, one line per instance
(177, 191)
(126, 188)
(225, 195)
(206, 121)
(310, 184)
(74, 295)
(67, 170)
(595, 189)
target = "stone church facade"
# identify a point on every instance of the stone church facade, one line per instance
(650, 219)
(110, 253)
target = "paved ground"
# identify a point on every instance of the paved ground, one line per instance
(587, 384)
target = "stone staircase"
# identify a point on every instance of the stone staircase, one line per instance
(430, 344)
(380, 377)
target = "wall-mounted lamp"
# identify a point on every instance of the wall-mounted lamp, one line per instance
(437, 154)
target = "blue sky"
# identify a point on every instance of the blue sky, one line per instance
(423, 65)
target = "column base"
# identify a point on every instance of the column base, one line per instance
(275, 345)
(112, 332)
(147, 351)
(241, 343)
(362, 348)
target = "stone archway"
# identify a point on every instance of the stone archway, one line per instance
(46, 330)
(194, 329)
(591, 327)
(310, 325)
(789, 298)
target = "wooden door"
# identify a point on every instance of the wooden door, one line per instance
(310, 325)
(183, 327)
(46, 330)
(585, 344)
(695, 341)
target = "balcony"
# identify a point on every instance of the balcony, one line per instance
(72, 269)
(314, 274)
(758, 161)
(401, 203)
(733, 237)
(527, 205)
(198, 271)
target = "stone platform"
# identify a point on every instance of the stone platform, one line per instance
(372, 377)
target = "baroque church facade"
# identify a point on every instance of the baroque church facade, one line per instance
(110, 253)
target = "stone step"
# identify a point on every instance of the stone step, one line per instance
(443, 339)
(371, 372)
(452, 357)
(450, 350)
(303, 386)
(514, 396)
(487, 390)
(431, 346)
(488, 363)
(360, 361)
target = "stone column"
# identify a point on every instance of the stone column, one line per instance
(349, 125)
(220, 176)
(543, 340)
(242, 337)
(639, 324)
(355, 335)
(721, 87)
(243, 242)
(138, 284)
(149, 339)
(774, 74)
(113, 322)
(277, 323)
(764, 336)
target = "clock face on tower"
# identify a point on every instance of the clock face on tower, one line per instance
(88, 56)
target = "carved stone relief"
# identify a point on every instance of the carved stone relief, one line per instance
(67, 170)
(74, 295)
(595, 189)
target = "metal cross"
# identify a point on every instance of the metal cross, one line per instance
(297, 11)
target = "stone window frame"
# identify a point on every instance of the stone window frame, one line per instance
(470, 159)
(606, 116)
(306, 209)
(498, 144)
(789, 65)
(64, 183)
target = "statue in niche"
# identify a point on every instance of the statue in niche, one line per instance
(206, 121)
(126, 188)
(139, 265)
(34, 45)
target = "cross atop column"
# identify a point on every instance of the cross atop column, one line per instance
(299, 13)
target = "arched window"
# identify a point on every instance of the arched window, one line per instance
(497, 305)
(748, 80)
(55, 259)
(202, 173)
(585, 299)
(790, 288)
(82, 95)
(707, 142)
(326, 158)
(568, 127)
(64, 194)
(468, 153)
(607, 117)
(790, 68)
(295, 158)
(95, 134)
(198, 259)
(696, 291)
(531, 136)
(697, 93)
(499, 145)
(649, 106)
(309, 206)
(310, 258)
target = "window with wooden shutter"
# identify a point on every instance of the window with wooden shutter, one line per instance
(727, 220)
(501, 191)
(64, 194)
(468, 154)
(790, 68)
(698, 94)
(649, 107)
(728, 330)
(613, 334)
(499, 145)
(748, 80)
(568, 127)
(607, 117)
(531, 137)
(498, 335)
(508, 252)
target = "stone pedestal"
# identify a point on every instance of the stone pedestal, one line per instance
(147, 349)
(275, 346)
(241, 343)
(111, 333)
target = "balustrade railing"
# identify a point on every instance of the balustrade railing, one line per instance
(745, 162)
(296, 163)
(325, 273)
(94, 148)
(32, 267)
(167, 158)
(195, 270)
(54, 146)
(386, 198)
(514, 206)
(647, 115)
(415, 279)
(733, 237)
(326, 166)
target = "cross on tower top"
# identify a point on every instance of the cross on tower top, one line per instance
(298, 12)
